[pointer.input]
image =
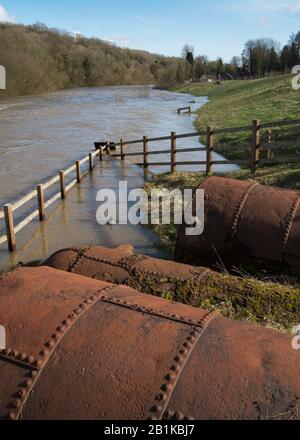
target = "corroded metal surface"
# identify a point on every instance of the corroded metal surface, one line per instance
(86, 349)
(123, 266)
(245, 221)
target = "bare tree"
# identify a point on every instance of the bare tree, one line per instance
(187, 50)
(236, 62)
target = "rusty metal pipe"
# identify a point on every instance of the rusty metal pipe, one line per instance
(245, 221)
(182, 283)
(122, 266)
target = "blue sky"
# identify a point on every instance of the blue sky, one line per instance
(214, 27)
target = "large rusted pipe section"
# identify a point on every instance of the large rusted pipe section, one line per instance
(81, 348)
(123, 266)
(191, 285)
(245, 222)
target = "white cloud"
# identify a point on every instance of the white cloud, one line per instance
(258, 6)
(295, 7)
(262, 22)
(118, 40)
(278, 9)
(5, 17)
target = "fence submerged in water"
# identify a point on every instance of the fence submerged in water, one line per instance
(260, 143)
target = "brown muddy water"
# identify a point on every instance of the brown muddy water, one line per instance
(41, 135)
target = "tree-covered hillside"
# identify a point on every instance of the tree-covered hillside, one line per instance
(38, 60)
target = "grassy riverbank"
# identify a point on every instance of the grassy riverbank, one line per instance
(272, 300)
(238, 103)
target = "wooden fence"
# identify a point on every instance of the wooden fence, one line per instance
(42, 204)
(261, 141)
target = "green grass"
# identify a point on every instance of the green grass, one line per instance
(271, 305)
(238, 103)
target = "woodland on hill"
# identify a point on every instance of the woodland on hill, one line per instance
(38, 60)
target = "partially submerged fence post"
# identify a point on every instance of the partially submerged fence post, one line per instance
(189, 109)
(145, 150)
(78, 171)
(173, 151)
(41, 202)
(10, 230)
(122, 149)
(255, 146)
(62, 184)
(209, 150)
(91, 161)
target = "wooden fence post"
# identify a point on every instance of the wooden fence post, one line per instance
(41, 202)
(107, 148)
(268, 140)
(255, 146)
(145, 149)
(100, 154)
(91, 161)
(78, 171)
(10, 230)
(62, 184)
(122, 149)
(173, 151)
(209, 150)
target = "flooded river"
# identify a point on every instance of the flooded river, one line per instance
(41, 135)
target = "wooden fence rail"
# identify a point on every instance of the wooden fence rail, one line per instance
(255, 147)
(259, 144)
(42, 204)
